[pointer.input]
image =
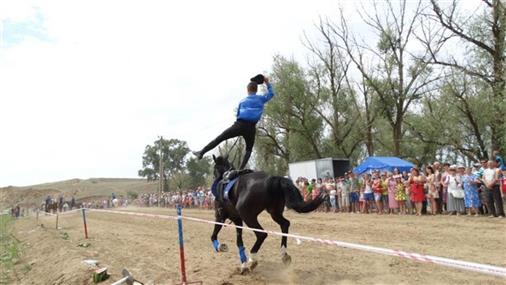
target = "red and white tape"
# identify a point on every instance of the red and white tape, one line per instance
(465, 265)
(167, 217)
(42, 213)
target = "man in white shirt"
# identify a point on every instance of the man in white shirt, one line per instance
(491, 181)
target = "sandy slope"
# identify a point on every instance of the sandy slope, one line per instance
(29, 196)
(149, 249)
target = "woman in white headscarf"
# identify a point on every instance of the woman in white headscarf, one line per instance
(455, 192)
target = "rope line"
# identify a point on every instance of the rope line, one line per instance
(459, 264)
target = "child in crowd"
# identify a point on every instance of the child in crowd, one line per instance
(378, 192)
(391, 184)
(354, 193)
(368, 199)
(400, 195)
(306, 191)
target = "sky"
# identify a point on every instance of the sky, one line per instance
(86, 85)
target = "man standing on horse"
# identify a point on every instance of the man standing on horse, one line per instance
(249, 113)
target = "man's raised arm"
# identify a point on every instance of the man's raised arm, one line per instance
(270, 92)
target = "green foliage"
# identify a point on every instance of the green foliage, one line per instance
(290, 129)
(392, 94)
(173, 153)
(179, 171)
(454, 120)
(10, 250)
(179, 181)
(198, 170)
(402, 103)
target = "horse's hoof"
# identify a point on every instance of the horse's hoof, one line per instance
(287, 259)
(244, 269)
(223, 248)
(252, 264)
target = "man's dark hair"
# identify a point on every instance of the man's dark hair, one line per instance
(252, 87)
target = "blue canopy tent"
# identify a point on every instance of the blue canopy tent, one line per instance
(384, 163)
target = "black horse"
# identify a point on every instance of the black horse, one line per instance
(253, 193)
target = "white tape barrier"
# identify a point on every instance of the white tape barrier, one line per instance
(167, 217)
(465, 265)
(42, 213)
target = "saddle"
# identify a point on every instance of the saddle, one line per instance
(221, 187)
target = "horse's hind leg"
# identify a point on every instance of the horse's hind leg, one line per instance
(261, 236)
(284, 224)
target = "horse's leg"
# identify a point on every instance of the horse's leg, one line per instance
(220, 218)
(240, 246)
(252, 222)
(284, 224)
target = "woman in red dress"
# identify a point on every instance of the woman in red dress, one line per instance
(417, 181)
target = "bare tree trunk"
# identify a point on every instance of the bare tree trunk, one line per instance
(397, 137)
(499, 86)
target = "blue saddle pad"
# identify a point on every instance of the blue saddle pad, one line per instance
(228, 186)
(214, 187)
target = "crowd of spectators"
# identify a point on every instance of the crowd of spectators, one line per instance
(59, 204)
(198, 198)
(431, 190)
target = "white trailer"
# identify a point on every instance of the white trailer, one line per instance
(302, 169)
(319, 168)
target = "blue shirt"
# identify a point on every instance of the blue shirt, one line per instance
(251, 108)
(500, 161)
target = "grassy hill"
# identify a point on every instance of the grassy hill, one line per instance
(93, 188)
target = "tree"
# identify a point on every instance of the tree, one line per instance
(290, 129)
(392, 69)
(453, 118)
(333, 98)
(485, 39)
(173, 153)
(198, 170)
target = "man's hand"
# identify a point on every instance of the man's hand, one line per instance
(266, 80)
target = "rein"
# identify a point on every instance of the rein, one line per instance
(230, 150)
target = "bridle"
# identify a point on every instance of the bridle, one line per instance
(219, 170)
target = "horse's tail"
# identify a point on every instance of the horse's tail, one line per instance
(293, 198)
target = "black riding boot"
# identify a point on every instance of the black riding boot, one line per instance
(245, 160)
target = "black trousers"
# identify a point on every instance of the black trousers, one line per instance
(245, 129)
(494, 197)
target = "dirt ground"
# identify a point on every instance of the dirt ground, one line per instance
(149, 249)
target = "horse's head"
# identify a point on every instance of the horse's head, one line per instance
(221, 165)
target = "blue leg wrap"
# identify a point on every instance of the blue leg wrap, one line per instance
(216, 245)
(242, 254)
